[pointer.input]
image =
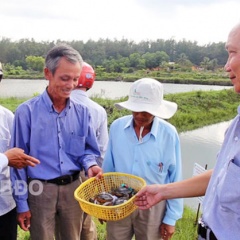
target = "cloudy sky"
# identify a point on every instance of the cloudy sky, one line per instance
(204, 21)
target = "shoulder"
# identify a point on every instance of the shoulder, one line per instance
(165, 126)
(6, 112)
(97, 106)
(79, 107)
(122, 121)
(30, 103)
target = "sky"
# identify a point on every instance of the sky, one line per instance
(203, 21)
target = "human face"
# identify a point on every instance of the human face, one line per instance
(64, 80)
(233, 63)
(142, 119)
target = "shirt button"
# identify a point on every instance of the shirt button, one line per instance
(236, 138)
(61, 162)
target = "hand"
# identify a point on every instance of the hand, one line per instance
(95, 171)
(24, 220)
(149, 196)
(166, 231)
(18, 159)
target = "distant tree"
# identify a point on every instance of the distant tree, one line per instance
(35, 63)
(134, 59)
(183, 60)
(124, 53)
(208, 64)
(99, 71)
(214, 64)
(205, 63)
(161, 57)
(150, 60)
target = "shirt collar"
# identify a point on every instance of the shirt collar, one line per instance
(49, 104)
(154, 128)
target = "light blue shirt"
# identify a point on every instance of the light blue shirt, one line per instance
(63, 142)
(157, 158)
(221, 206)
(7, 202)
(99, 117)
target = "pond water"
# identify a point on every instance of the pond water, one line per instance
(104, 89)
(201, 146)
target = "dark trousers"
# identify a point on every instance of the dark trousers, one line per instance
(8, 225)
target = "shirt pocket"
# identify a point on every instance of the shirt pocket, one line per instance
(229, 195)
(157, 169)
(76, 145)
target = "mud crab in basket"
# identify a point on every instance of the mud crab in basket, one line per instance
(115, 197)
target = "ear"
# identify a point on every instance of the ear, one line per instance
(47, 74)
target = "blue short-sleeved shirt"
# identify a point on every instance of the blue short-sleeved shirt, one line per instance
(157, 158)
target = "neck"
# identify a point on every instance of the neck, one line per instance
(141, 131)
(58, 103)
(81, 88)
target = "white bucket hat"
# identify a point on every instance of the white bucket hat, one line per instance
(146, 95)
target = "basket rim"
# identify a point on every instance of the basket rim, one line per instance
(106, 174)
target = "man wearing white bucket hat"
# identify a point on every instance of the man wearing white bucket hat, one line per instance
(145, 145)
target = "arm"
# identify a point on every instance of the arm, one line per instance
(3, 161)
(20, 139)
(91, 151)
(174, 207)
(192, 187)
(108, 162)
(102, 138)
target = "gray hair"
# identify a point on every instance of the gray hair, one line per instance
(57, 52)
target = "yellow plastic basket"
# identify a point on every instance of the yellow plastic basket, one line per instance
(93, 186)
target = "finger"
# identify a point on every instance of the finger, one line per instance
(27, 223)
(141, 193)
(29, 163)
(99, 175)
(31, 159)
(22, 225)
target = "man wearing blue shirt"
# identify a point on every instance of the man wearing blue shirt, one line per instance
(221, 205)
(145, 145)
(59, 133)
(14, 157)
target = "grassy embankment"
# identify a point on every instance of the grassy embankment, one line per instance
(164, 75)
(195, 109)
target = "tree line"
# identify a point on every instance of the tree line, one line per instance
(116, 55)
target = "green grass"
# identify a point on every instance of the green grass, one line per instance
(195, 109)
(186, 228)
